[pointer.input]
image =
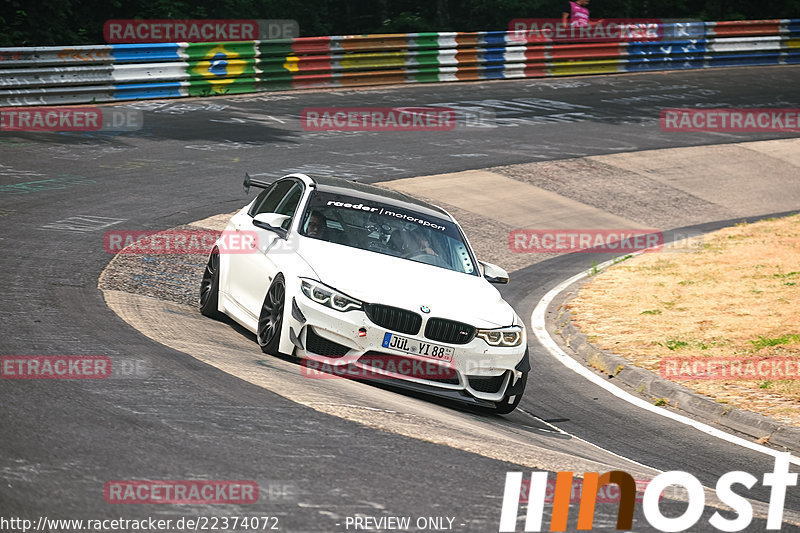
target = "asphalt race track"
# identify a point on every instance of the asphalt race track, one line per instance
(321, 453)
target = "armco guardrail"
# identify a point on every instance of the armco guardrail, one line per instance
(107, 73)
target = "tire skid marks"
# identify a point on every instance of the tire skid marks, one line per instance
(83, 223)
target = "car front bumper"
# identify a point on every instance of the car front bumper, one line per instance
(347, 344)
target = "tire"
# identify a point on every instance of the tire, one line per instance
(503, 407)
(209, 287)
(270, 321)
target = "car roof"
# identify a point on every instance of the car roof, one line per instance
(378, 194)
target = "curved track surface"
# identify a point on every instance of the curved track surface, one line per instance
(183, 418)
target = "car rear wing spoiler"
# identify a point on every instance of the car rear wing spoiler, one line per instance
(250, 182)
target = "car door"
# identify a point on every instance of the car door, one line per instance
(252, 273)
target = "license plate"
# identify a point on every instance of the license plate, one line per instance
(415, 347)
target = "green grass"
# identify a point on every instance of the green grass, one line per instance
(712, 248)
(674, 344)
(660, 265)
(668, 304)
(763, 342)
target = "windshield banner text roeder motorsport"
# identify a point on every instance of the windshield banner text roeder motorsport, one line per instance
(386, 212)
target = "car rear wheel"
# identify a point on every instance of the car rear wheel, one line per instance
(209, 287)
(512, 397)
(270, 322)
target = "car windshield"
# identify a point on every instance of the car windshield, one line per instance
(386, 229)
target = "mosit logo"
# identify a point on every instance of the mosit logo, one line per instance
(779, 480)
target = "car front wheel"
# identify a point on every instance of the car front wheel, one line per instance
(270, 322)
(209, 287)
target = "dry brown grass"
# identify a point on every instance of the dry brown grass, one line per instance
(740, 288)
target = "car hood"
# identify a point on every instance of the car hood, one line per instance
(376, 278)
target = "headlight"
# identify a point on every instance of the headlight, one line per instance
(510, 336)
(328, 297)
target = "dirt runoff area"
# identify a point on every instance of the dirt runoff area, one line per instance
(722, 318)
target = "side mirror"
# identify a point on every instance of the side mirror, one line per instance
(271, 222)
(493, 273)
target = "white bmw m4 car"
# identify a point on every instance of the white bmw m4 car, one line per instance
(369, 283)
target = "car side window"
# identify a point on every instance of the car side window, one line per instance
(269, 203)
(259, 200)
(288, 205)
